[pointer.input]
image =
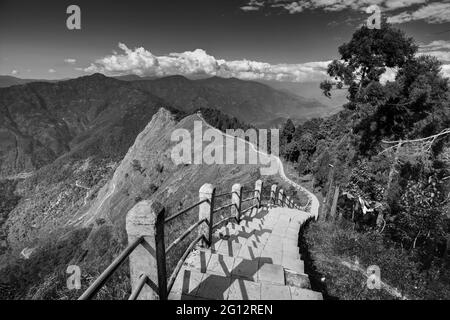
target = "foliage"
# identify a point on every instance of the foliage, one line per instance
(352, 149)
(367, 56)
(221, 121)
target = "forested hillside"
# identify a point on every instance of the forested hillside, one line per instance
(382, 166)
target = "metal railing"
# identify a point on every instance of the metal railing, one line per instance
(206, 213)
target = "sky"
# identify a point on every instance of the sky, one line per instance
(281, 40)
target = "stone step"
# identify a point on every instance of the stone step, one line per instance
(273, 248)
(257, 270)
(194, 285)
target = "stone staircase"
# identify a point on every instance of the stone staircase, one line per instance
(257, 259)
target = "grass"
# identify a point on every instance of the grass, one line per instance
(336, 257)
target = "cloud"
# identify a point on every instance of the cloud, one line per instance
(438, 48)
(292, 6)
(446, 70)
(249, 8)
(51, 70)
(430, 11)
(253, 5)
(400, 4)
(14, 72)
(70, 61)
(437, 12)
(142, 62)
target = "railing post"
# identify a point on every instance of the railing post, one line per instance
(236, 200)
(288, 201)
(273, 194)
(206, 192)
(258, 192)
(281, 197)
(146, 219)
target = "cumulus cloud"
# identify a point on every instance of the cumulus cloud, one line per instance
(51, 70)
(399, 4)
(446, 70)
(293, 7)
(142, 62)
(70, 61)
(430, 11)
(437, 12)
(14, 72)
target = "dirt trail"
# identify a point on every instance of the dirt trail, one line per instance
(314, 210)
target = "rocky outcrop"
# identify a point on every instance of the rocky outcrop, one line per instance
(148, 172)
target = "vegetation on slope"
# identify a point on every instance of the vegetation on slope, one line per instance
(405, 186)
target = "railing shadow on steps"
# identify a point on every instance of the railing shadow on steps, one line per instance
(147, 251)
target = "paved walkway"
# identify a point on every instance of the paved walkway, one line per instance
(257, 259)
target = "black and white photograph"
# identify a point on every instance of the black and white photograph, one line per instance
(239, 151)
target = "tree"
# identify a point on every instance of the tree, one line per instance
(366, 57)
(288, 132)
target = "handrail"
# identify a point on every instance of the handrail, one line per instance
(174, 274)
(101, 280)
(222, 221)
(166, 287)
(184, 211)
(223, 207)
(142, 280)
(184, 235)
(249, 208)
(248, 199)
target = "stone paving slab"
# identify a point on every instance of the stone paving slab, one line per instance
(272, 255)
(270, 273)
(247, 269)
(241, 289)
(214, 287)
(187, 282)
(249, 252)
(220, 264)
(274, 292)
(229, 247)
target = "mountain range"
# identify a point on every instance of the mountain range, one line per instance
(41, 121)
